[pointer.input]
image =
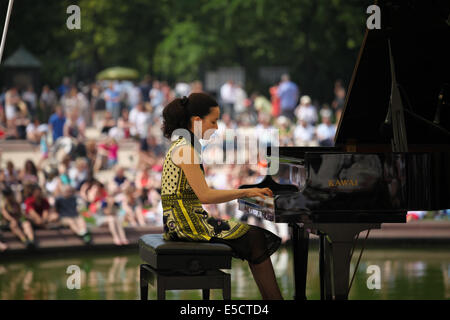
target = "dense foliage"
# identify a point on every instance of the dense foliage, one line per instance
(179, 40)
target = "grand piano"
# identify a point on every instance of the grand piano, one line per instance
(391, 152)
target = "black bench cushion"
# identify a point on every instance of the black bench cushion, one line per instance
(183, 255)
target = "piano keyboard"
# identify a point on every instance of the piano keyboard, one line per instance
(259, 207)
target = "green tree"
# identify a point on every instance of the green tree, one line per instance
(178, 40)
(317, 40)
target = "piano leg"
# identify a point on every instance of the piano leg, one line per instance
(325, 268)
(322, 265)
(341, 268)
(336, 248)
(300, 244)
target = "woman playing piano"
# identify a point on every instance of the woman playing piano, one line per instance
(184, 189)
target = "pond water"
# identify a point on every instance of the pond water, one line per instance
(410, 273)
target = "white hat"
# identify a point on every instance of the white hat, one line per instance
(305, 100)
(282, 120)
(325, 113)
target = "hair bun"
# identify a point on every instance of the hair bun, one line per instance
(184, 101)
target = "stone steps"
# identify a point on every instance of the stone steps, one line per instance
(64, 239)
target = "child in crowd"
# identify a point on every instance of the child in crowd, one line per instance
(109, 152)
(63, 170)
(43, 145)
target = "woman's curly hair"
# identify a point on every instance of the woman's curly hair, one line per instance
(177, 114)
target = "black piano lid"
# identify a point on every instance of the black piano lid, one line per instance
(419, 37)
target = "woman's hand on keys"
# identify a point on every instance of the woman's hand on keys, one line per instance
(258, 192)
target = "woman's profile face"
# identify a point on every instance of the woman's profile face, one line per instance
(209, 123)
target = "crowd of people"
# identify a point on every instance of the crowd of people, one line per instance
(62, 186)
(301, 121)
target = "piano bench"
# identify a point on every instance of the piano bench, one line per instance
(177, 265)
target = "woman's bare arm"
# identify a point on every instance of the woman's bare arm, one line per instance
(191, 168)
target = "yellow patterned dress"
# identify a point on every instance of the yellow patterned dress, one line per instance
(185, 219)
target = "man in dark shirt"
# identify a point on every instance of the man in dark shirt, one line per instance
(66, 206)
